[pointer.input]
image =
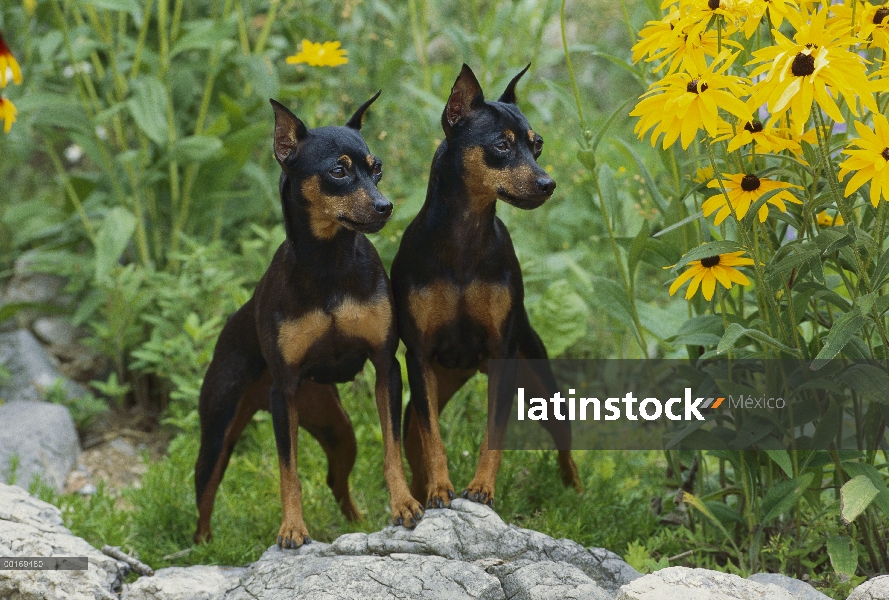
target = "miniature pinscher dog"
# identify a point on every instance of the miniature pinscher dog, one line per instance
(323, 308)
(459, 297)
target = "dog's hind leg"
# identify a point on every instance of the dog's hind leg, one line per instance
(449, 381)
(235, 387)
(541, 382)
(321, 414)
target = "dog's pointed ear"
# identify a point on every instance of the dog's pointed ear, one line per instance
(289, 131)
(466, 95)
(358, 118)
(508, 95)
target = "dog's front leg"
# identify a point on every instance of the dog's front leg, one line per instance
(424, 397)
(405, 509)
(285, 420)
(502, 382)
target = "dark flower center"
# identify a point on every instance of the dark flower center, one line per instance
(803, 64)
(753, 127)
(713, 4)
(885, 153)
(692, 87)
(750, 183)
(881, 14)
(710, 261)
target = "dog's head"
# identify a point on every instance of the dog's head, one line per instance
(497, 146)
(332, 171)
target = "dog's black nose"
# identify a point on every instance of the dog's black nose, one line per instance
(383, 208)
(546, 185)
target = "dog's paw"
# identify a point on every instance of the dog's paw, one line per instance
(406, 512)
(480, 492)
(440, 496)
(293, 535)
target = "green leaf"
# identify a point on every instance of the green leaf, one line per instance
(148, 105)
(856, 468)
(608, 187)
(561, 317)
(638, 247)
(870, 381)
(128, 6)
(707, 250)
(705, 330)
(843, 555)
(681, 223)
(588, 159)
(613, 298)
(839, 335)
(114, 234)
(195, 148)
(881, 271)
(855, 496)
(203, 35)
(735, 331)
(783, 497)
(650, 181)
(782, 459)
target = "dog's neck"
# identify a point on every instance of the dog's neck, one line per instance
(450, 202)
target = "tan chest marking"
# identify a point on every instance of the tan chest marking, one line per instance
(296, 336)
(488, 303)
(434, 306)
(369, 321)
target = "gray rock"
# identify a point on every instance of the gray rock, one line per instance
(278, 576)
(33, 371)
(33, 528)
(43, 437)
(547, 580)
(875, 589)
(681, 583)
(55, 330)
(798, 589)
(29, 286)
(469, 531)
(185, 583)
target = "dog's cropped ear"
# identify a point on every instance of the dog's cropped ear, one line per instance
(358, 118)
(508, 95)
(466, 96)
(289, 131)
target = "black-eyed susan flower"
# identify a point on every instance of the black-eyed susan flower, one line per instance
(756, 10)
(798, 71)
(327, 54)
(767, 137)
(7, 113)
(743, 191)
(684, 103)
(8, 61)
(868, 160)
(827, 220)
(706, 272)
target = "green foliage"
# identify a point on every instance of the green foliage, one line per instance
(84, 409)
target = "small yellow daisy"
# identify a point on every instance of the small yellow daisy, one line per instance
(743, 191)
(706, 272)
(327, 54)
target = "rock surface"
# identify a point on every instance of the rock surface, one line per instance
(30, 527)
(180, 583)
(681, 583)
(798, 589)
(33, 371)
(43, 437)
(875, 589)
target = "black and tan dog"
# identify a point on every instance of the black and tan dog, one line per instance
(320, 311)
(458, 287)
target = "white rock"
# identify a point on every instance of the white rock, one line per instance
(798, 589)
(875, 589)
(185, 583)
(681, 583)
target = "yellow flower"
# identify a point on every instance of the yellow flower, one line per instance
(7, 60)
(30, 6)
(743, 191)
(869, 160)
(703, 174)
(7, 113)
(706, 272)
(684, 103)
(680, 48)
(328, 54)
(767, 138)
(801, 70)
(756, 10)
(825, 220)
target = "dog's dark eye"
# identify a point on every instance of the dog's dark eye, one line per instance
(502, 146)
(337, 172)
(377, 170)
(538, 147)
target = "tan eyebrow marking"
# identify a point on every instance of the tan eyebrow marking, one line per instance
(531, 135)
(346, 160)
(509, 135)
(370, 160)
